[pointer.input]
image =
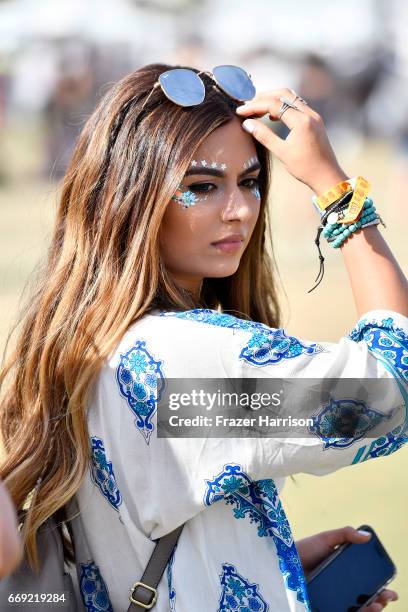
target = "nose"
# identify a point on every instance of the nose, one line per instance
(237, 206)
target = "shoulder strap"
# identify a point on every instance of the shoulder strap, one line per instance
(143, 594)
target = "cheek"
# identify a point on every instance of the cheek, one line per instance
(184, 232)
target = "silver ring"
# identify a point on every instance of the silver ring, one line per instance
(297, 97)
(284, 107)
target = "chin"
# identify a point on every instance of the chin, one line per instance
(222, 271)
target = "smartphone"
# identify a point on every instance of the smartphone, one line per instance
(351, 577)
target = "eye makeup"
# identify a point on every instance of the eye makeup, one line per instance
(201, 191)
(255, 191)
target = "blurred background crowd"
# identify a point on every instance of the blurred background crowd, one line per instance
(347, 58)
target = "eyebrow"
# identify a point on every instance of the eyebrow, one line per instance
(221, 173)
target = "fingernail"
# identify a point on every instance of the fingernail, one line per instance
(242, 107)
(365, 533)
(248, 126)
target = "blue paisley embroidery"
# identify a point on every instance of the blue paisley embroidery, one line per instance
(389, 344)
(266, 345)
(229, 480)
(345, 415)
(259, 501)
(141, 382)
(102, 473)
(384, 445)
(386, 339)
(93, 589)
(238, 593)
(169, 573)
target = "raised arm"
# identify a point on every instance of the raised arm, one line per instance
(376, 279)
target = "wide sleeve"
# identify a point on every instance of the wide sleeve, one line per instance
(375, 351)
(169, 480)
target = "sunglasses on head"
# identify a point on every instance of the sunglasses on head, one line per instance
(185, 87)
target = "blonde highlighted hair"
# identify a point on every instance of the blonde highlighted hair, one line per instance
(102, 272)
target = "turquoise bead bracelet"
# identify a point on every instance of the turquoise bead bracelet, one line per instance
(337, 233)
(338, 241)
(334, 229)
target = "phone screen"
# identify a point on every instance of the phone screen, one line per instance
(351, 578)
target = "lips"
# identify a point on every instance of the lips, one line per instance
(229, 246)
(232, 239)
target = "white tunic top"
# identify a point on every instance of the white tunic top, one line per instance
(236, 551)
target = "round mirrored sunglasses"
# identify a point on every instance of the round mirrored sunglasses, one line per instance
(185, 87)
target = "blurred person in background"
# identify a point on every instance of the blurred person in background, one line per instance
(158, 267)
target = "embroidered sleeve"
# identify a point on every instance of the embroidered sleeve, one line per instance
(376, 348)
(386, 336)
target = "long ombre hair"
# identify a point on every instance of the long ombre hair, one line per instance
(103, 271)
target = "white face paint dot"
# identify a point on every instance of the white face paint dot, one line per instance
(249, 162)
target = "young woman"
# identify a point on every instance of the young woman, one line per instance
(160, 267)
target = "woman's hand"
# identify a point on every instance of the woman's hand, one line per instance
(306, 153)
(314, 549)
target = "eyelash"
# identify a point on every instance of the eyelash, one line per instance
(195, 188)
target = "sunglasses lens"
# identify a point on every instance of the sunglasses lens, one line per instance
(182, 86)
(234, 81)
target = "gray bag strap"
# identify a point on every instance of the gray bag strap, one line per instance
(143, 594)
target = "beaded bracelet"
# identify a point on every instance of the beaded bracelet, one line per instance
(376, 220)
(332, 225)
(337, 233)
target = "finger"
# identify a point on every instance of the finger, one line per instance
(386, 596)
(342, 535)
(274, 93)
(264, 135)
(291, 117)
(289, 94)
(374, 607)
(263, 99)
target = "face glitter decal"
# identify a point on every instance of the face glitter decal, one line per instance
(249, 162)
(255, 191)
(187, 198)
(203, 163)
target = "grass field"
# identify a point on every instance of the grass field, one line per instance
(373, 493)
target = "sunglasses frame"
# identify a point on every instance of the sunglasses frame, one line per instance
(208, 73)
